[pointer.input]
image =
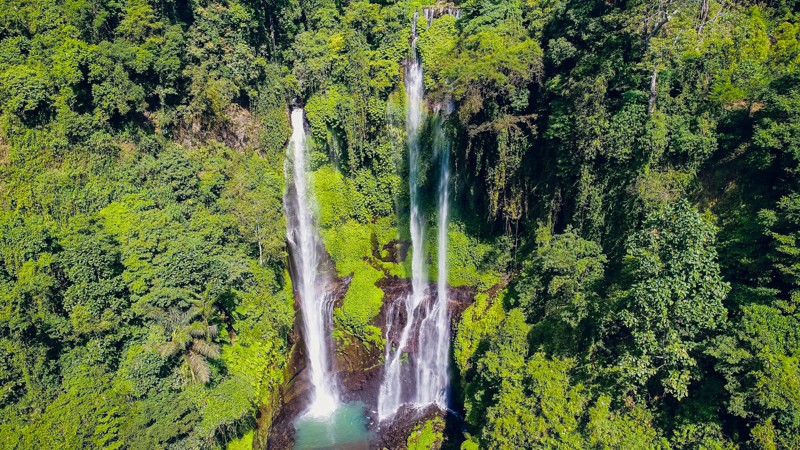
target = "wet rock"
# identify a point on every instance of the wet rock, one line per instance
(393, 434)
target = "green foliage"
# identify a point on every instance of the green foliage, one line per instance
(559, 282)
(471, 262)
(478, 321)
(436, 45)
(139, 253)
(758, 360)
(632, 428)
(337, 199)
(426, 436)
(243, 443)
(123, 305)
(675, 299)
(348, 240)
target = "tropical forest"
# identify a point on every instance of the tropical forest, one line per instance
(400, 224)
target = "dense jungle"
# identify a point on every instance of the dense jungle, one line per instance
(599, 198)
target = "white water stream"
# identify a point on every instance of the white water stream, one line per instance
(315, 302)
(434, 332)
(424, 380)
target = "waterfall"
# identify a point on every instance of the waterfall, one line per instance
(426, 322)
(315, 302)
(432, 12)
(389, 398)
(434, 333)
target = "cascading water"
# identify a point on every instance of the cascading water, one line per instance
(432, 12)
(434, 332)
(315, 302)
(426, 322)
(327, 423)
(390, 396)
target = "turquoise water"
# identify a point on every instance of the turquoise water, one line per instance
(345, 429)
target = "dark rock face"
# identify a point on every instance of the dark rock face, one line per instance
(359, 368)
(394, 434)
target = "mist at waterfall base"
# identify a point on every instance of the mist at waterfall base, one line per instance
(326, 422)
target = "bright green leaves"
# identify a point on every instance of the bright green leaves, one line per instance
(349, 245)
(519, 401)
(471, 261)
(783, 227)
(337, 198)
(427, 436)
(141, 297)
(437, 45)
(25, 91)
(478, 322)
(223, 67)
(96, 296)
(748, 50)
(758, 357)
(139, 21)
(777, 132)
(631, 428)
(488, 65)
(348, 237)
(535, 405)
(759, 360)
(254, 197)
(675, 300)
(560, 281)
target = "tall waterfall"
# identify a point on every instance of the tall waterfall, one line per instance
(390, 397)
(315, 303)
(424, 380)
(434, 332)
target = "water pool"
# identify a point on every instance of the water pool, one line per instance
(345, 429)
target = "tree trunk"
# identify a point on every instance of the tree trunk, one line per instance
(272, 38)
(651, 105)
(703, 16)
(260, 246)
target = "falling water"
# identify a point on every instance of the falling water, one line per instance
(432, 12)
(434, 333)
(426, 322)
(390, 396)
(315, 303)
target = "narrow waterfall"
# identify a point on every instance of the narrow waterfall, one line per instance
(424, 380)
(315, 303)
(434, 333)
(390, 397)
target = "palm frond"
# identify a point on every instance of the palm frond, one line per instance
(193, 312)
(212, 331)
(201, 373)
(197, 329)
(206, 349)
(168, 349)
(182, 337)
